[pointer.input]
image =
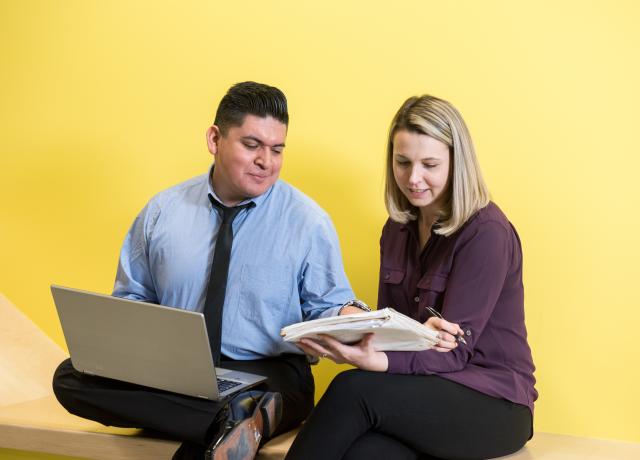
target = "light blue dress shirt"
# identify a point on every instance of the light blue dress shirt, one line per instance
(285, 266)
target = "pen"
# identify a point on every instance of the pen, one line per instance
(436, 313)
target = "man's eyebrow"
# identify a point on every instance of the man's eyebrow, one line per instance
(252, 138)
(259, 141)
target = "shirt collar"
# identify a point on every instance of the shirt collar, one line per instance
(412, 228)
(257, 200)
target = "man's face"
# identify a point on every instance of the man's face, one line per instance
(247, 159)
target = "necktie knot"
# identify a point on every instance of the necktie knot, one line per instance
(229, 213)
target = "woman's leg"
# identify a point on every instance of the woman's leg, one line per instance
(428, 414)
(376, 446)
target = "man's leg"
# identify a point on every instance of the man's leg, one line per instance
(116, 403)
(289, 375)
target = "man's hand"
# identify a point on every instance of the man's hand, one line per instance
(361, 354)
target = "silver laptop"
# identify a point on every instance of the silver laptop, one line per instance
(142, 343)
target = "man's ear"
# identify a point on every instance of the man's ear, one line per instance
(213, 136)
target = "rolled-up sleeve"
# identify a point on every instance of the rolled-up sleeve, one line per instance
(134, 279)
(324, 286)
(474, 285)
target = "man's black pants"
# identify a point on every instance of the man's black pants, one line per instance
(116, 403)
(375, 415)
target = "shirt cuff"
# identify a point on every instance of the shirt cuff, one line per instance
(399, 362)
(329, 312)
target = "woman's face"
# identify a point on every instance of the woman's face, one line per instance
(420, 167)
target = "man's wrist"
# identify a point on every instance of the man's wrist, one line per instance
(355, 303)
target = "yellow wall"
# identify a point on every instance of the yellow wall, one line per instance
(102, 104)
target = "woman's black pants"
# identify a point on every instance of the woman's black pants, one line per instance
(375, 415)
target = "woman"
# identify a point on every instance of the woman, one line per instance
(446, 246)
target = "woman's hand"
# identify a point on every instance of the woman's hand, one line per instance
(447, 331)
(361, 354)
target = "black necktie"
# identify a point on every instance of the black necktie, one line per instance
(218, 277)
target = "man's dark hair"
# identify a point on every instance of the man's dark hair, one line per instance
(250, 98)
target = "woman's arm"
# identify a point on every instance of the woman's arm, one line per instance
(479, 270)
(361, 355)
(364, 356)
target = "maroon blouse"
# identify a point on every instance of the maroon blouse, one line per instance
(474, 278)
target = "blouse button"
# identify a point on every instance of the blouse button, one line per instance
(468, 332)
(416, 298)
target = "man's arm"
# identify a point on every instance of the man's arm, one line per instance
(134, 279)
(324, 287)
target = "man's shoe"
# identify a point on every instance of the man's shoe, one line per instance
(271, 409)
(242, 438)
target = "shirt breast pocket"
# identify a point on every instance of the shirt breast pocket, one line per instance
(391, 280)
(432, 287)
(266, 291)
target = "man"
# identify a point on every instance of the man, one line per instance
(283, 266)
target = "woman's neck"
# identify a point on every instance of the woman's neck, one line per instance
(426, 219)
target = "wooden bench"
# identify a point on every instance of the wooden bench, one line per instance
(42, 425)
(32, 420)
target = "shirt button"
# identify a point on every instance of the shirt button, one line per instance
(468, 332)
(416, 298)
(387, 276)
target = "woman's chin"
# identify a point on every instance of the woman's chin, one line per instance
(420, 202)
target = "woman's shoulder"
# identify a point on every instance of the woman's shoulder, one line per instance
(487, 235)
(394, 236)
(393, 228)
(392, 225)
(490, 214)
(487, 226)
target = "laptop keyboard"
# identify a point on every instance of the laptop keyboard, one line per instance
(224, 385)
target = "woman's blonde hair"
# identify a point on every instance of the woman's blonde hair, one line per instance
(466, 191)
